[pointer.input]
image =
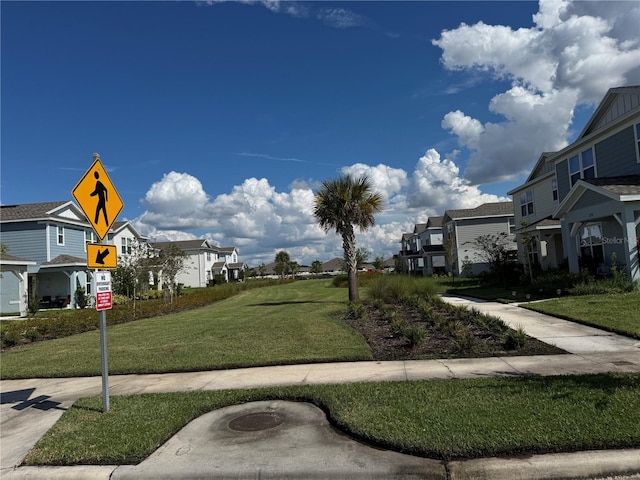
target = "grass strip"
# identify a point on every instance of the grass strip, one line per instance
(443, 419)
(286, 324)
(618, 313)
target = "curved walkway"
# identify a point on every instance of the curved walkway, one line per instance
(30, 407)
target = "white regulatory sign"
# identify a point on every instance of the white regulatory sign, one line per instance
(103, 290)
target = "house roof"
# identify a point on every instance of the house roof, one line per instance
(61, 260)
(419, 228)
(604, 105)
(7, 259)
(333, 264)
(494, 209)
(628, 185)
(120, 225)
(184, 244)
(30, 211)
(621, 189)
(545, 223)
(434, 222)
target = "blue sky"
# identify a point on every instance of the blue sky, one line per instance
(220, 119)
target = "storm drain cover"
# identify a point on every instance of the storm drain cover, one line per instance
(254, 422)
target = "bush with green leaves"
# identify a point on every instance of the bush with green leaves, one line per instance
(66, 322)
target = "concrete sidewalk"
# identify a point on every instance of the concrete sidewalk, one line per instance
(30, 407)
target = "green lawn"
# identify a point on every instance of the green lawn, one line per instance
(444, 419)
(614, 312)
(293, 323)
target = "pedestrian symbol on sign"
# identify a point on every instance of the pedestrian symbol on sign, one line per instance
(98, 198)
(103, 196)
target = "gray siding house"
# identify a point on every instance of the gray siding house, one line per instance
(598, 180)
(534, 203)
(52, 237)
(462, 227)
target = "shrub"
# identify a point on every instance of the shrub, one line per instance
(617, 283)
(64, 323)
(401, 288)
(398, 327)
(550, 281)
(515, 339)
(356, 310)
(416, 335)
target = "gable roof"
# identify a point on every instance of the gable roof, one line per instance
(621, 189)
(435, 222)
(121, 225)
(184, 244)
(33, 211)
(333, 264)
(598, 118)
(495, 209)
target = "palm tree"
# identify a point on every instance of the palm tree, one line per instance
(341, 205)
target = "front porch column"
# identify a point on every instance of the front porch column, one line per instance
(630, 245)
(72, 288)
(23, 291)
(569, 246)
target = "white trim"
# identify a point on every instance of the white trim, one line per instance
(636, 136)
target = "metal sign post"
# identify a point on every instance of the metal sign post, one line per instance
(101, 204)
(103, 302)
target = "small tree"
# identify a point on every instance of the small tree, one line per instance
(495, 250)
(170, 261)
(262, 269)
(525, 240)
(451, 255)
(378, 263)
(282, 263)
(294, 268)
(362, 257)
(316, 267)
(33, 302)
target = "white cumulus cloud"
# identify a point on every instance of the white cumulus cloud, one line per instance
(571, 55)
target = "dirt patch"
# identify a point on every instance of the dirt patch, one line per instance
(410, 332)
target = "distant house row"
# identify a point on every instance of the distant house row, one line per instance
(46, 243)
(580, 205)
(423, 250)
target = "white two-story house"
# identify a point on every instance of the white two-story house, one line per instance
(203, 261)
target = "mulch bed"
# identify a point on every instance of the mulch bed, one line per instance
(472, 340)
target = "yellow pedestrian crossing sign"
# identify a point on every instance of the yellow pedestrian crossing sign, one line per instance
(98, 198)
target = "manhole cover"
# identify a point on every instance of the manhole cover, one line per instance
(254, 422)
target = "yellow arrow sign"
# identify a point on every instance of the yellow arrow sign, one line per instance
(101, 256)
(98, 198)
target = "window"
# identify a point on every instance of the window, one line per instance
(591, 243)
(582, 166)
(512, 225)
(60, 235)
(554, 189)
(208, 256)
(526, 203)
(126, 245)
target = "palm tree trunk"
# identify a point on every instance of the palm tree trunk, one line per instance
(349, 246)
